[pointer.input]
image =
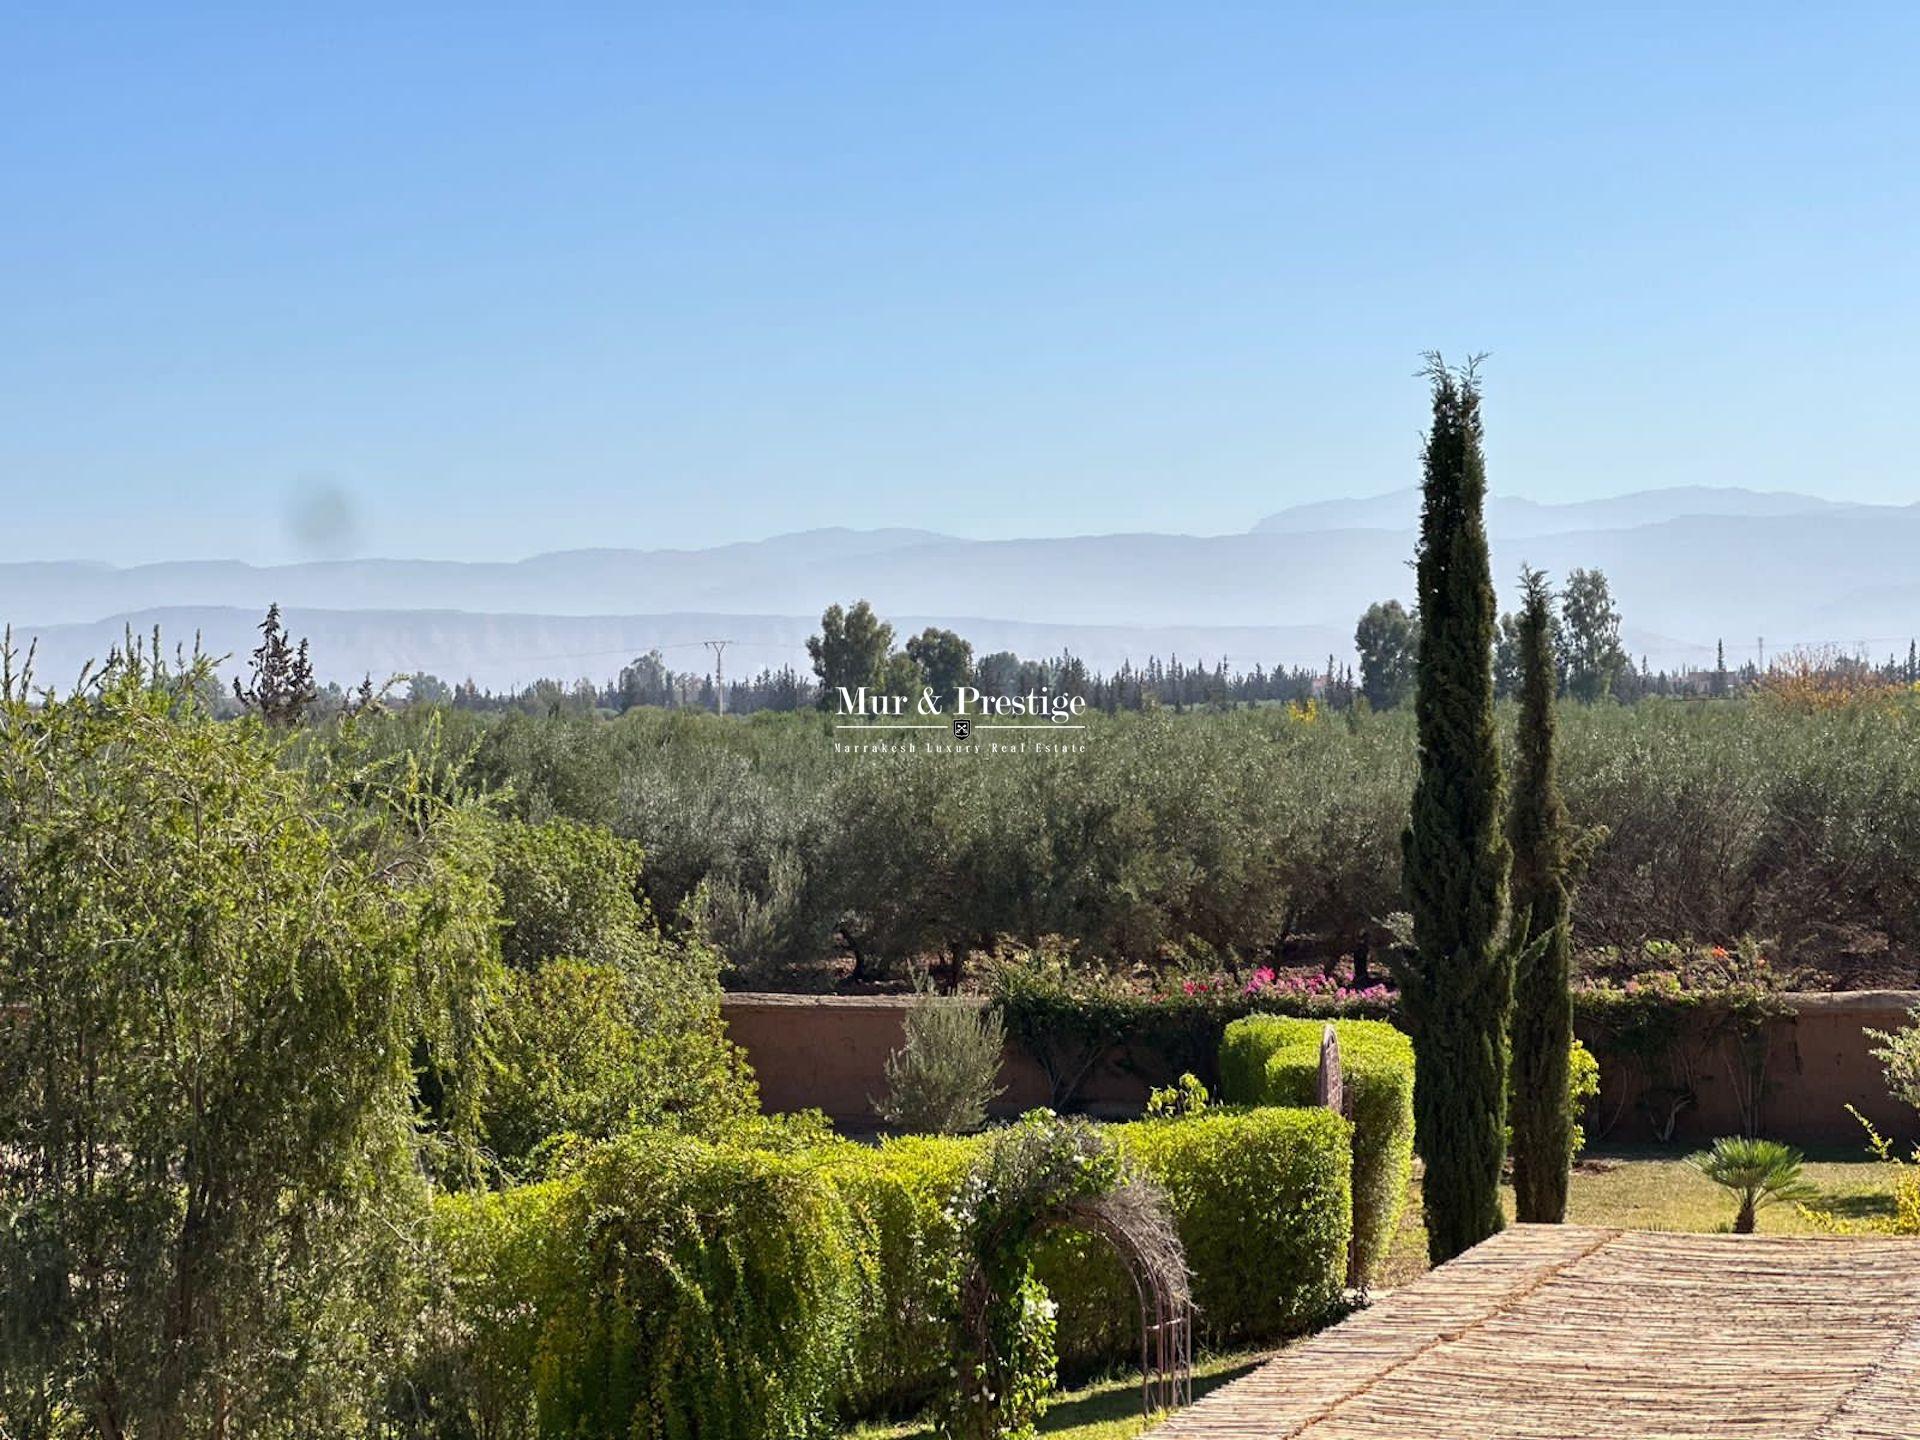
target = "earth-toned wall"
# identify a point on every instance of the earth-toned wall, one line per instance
(829, 1052)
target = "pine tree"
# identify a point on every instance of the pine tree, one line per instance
(1457, 984)
(1542, 940)
(282, 687)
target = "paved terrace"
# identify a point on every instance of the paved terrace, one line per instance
(1560, 1332)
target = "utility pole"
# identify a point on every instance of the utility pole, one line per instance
(719, 648)
(1760, 644)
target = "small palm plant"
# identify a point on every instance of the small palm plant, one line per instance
(1760, 1172)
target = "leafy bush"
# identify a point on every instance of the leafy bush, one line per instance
(1899, 1055)
(1583, 1088)
(1182, 1100)
(942, 1078)
(1039, 1174)
(756, 1292)
(215, 970)
(606, 1021)
(571, 1059)
(472, 1377)
(1272, 1060)
(899, 1196)
(695, 1289)
(1263, 1203)
(1068, 1016)
(1905, 1219)
(1263, 1200)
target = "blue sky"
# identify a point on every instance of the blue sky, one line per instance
(479, 282)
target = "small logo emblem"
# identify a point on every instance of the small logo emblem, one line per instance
(962, 727)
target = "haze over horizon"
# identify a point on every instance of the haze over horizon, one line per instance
(1690, 568)
(1395, 509)
(389, 281)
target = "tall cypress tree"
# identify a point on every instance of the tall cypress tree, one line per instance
(1457, 985)
(1542, 938)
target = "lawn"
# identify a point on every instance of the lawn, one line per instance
(1104, 1410)
(1639, 1188)
(1653, 1188)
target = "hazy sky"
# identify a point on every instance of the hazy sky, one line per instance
(459, 281)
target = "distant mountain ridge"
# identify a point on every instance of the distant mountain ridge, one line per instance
(1517, 518)
(1689, 567)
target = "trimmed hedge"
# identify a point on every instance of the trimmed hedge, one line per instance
(1067, 1018)
(897, 1196)
(1263, 1203)
(1273, 1060)
(667, 1287)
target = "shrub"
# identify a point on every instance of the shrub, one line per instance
(607, 1022)
(942, 1078)
(570, 1059)
(899, 1198)
(1583, 1088)
(1263, 1200)
(696, 1290)
(1182, 1100)
(1067, 1016)
(1272, 1060)
(1899, 1055)
(662, 1285)
(215, 968)
(1905, 1219)
(1038, 1175)
(472, 1378)
(1263, 1203)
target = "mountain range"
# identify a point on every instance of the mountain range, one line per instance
(1689, 567)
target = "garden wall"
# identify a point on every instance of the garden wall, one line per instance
(1817, 1063)
(829, 1052)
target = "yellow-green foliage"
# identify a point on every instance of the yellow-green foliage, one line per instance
(1905, 1219)
(897, 1196)
(665, 1286)
(695, 1290)
(1262, 1201)
(482, 1331)
(1275, 1060)
(1583, 1087)
(1264, 1205)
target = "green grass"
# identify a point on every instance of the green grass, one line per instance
(1653, 1188)
(1104, 1410)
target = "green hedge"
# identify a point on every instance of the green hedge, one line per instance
(1271, 1060)
(897, 1196)
(667, 1287)
(1264, 1208)
(1069, 1019)
(696, 1290)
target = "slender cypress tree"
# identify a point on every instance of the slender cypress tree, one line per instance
(1457, 984)
(1542, 938)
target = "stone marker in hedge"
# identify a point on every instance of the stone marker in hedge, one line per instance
(1273, 1060)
